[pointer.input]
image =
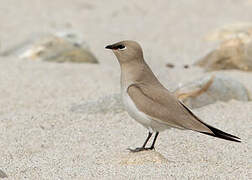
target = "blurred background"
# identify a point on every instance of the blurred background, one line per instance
(60, 110)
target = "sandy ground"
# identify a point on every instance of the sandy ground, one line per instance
(41, 138)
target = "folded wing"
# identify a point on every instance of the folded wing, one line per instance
(159, 104)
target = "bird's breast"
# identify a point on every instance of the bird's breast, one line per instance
(132, 110)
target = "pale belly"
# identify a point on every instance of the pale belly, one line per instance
(141, 117)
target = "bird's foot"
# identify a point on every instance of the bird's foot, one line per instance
(140, 149)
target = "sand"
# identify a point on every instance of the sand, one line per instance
(42, 138)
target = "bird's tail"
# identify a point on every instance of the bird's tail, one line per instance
(215, 132)
(220, 134)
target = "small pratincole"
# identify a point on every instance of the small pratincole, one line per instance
(149, 102)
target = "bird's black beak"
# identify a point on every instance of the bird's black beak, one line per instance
(109, 47)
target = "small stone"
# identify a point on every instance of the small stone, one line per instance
(170, 65)
(210, 89)
(186, 66)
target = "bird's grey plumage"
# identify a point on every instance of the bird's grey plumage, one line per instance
(148, 101)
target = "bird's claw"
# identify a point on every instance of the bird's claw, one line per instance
(140, 149)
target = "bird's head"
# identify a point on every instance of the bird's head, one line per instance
(127, 51)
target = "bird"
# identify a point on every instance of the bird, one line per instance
(148, 102)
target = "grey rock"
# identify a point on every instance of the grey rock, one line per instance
(210, 89)
(59, 47)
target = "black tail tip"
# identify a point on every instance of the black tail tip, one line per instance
(220, 134)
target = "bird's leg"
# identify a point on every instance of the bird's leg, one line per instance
(153, 143)
(143, 147)
(147, 139)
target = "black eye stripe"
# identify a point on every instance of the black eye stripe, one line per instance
(120, 46)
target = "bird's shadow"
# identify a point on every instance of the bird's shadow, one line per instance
(142, 157)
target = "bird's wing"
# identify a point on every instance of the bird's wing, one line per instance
(161, 105)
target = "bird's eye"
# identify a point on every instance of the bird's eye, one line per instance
(121, 47)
